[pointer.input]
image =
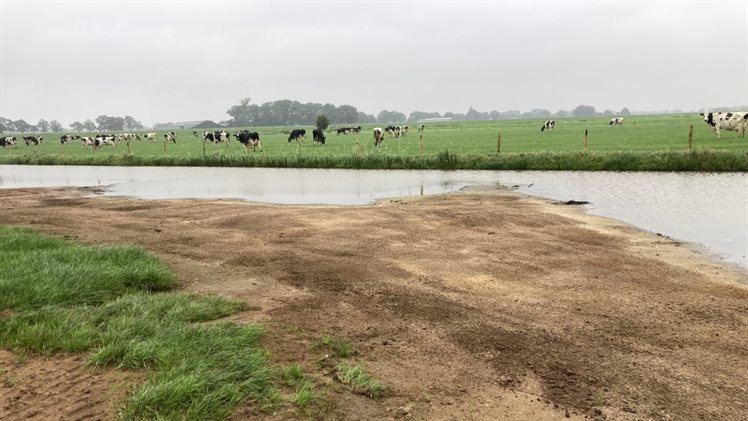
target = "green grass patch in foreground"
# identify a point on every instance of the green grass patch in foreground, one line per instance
(63, 297)
(359, 381)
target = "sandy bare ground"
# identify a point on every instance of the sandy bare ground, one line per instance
(482, 304)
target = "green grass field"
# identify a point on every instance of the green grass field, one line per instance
(468, 145)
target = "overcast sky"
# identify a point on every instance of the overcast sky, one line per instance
(161, 61)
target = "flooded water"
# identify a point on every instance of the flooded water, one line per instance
(710, 209)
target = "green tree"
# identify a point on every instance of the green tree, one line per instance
(584, 111)
(132, 124)
(22, 126)
(43, 125)
(77, 126)
(89, 125)
(55, 126)
(107, 123)
(322, 122)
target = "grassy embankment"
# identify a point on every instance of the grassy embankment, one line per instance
(113, 302)
(643, 143)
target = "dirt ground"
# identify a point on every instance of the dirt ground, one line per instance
(477, 305)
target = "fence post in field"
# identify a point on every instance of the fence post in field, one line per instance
(203, 146)
(585, 139)
(164, 146)
(498, 144)
(420, 141)
(690, 138)
(128, 148)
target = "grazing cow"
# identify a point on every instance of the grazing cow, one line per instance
(297, 135)
(247, 138)
(378, 136)
(151, 136)
(393, 131)
(105, 140)
(170, 137)
(87, 141)
(404, 130)
(68, 137)
(616, 121)
(318, 136)
(422, 127)
(7, 142)
(127, 137)
(217, 136)
(733, 121)
(343, 130)
(548, 125)
(33, 140)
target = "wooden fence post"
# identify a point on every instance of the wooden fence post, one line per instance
(203, 146)
(128, 148)
(690, 138)
(498, 144)
(420, 140)
(585, 140)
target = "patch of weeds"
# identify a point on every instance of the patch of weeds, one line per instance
(358, 381)
(304, 393)
(292, 375)
(339, 347)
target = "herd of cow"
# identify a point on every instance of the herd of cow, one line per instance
(733, 121)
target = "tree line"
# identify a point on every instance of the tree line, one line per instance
(102, 123)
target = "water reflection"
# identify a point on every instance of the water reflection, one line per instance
(711, 209)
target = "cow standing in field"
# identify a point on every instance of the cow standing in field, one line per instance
(7, 142)
(616, 121)
(151, 137)
(422, 127)
(378, 136)
(68, 138)
(297, 135)
(548, 125)
(247, 138)
(87, 141)
(170, 137)
(318, 136)
(105, 140)
(733, 121)
(33, 140)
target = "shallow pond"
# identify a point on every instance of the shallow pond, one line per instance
(706, 208)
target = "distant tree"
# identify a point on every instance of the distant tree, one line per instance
(89, 125)
(366, 118)
(55, 126)
(43, 125)
(475, 115)
(625, 111)
(132, 124)
(608, 113)
(22, 126)
(322, 122)
(511, 114)
(562, 113)
(385, 116)
(537, 113)
(420, 115)
(107, 123)
(495, 115)
(454, 116)
(3, 128)
(584, 111)
(7, 124)
(76, 126)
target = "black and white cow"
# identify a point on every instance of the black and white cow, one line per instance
(318, 136)
(378, 136)
(127, 137)
(151, 136)
(422, 127)
(33, 140)
(105, 140)
(616, 121)
(393, 131)
(8, 141)
(297, 135)
(548, 125)
(218, 136)
(87, 141)
(170, 137)
(733, 121)
(247, 138)
(68, 138)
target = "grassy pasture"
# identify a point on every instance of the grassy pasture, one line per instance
(470, 145)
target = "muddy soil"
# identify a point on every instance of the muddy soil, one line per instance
(482, 304)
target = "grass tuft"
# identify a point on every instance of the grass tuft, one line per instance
(64, 297)
(358, 381)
